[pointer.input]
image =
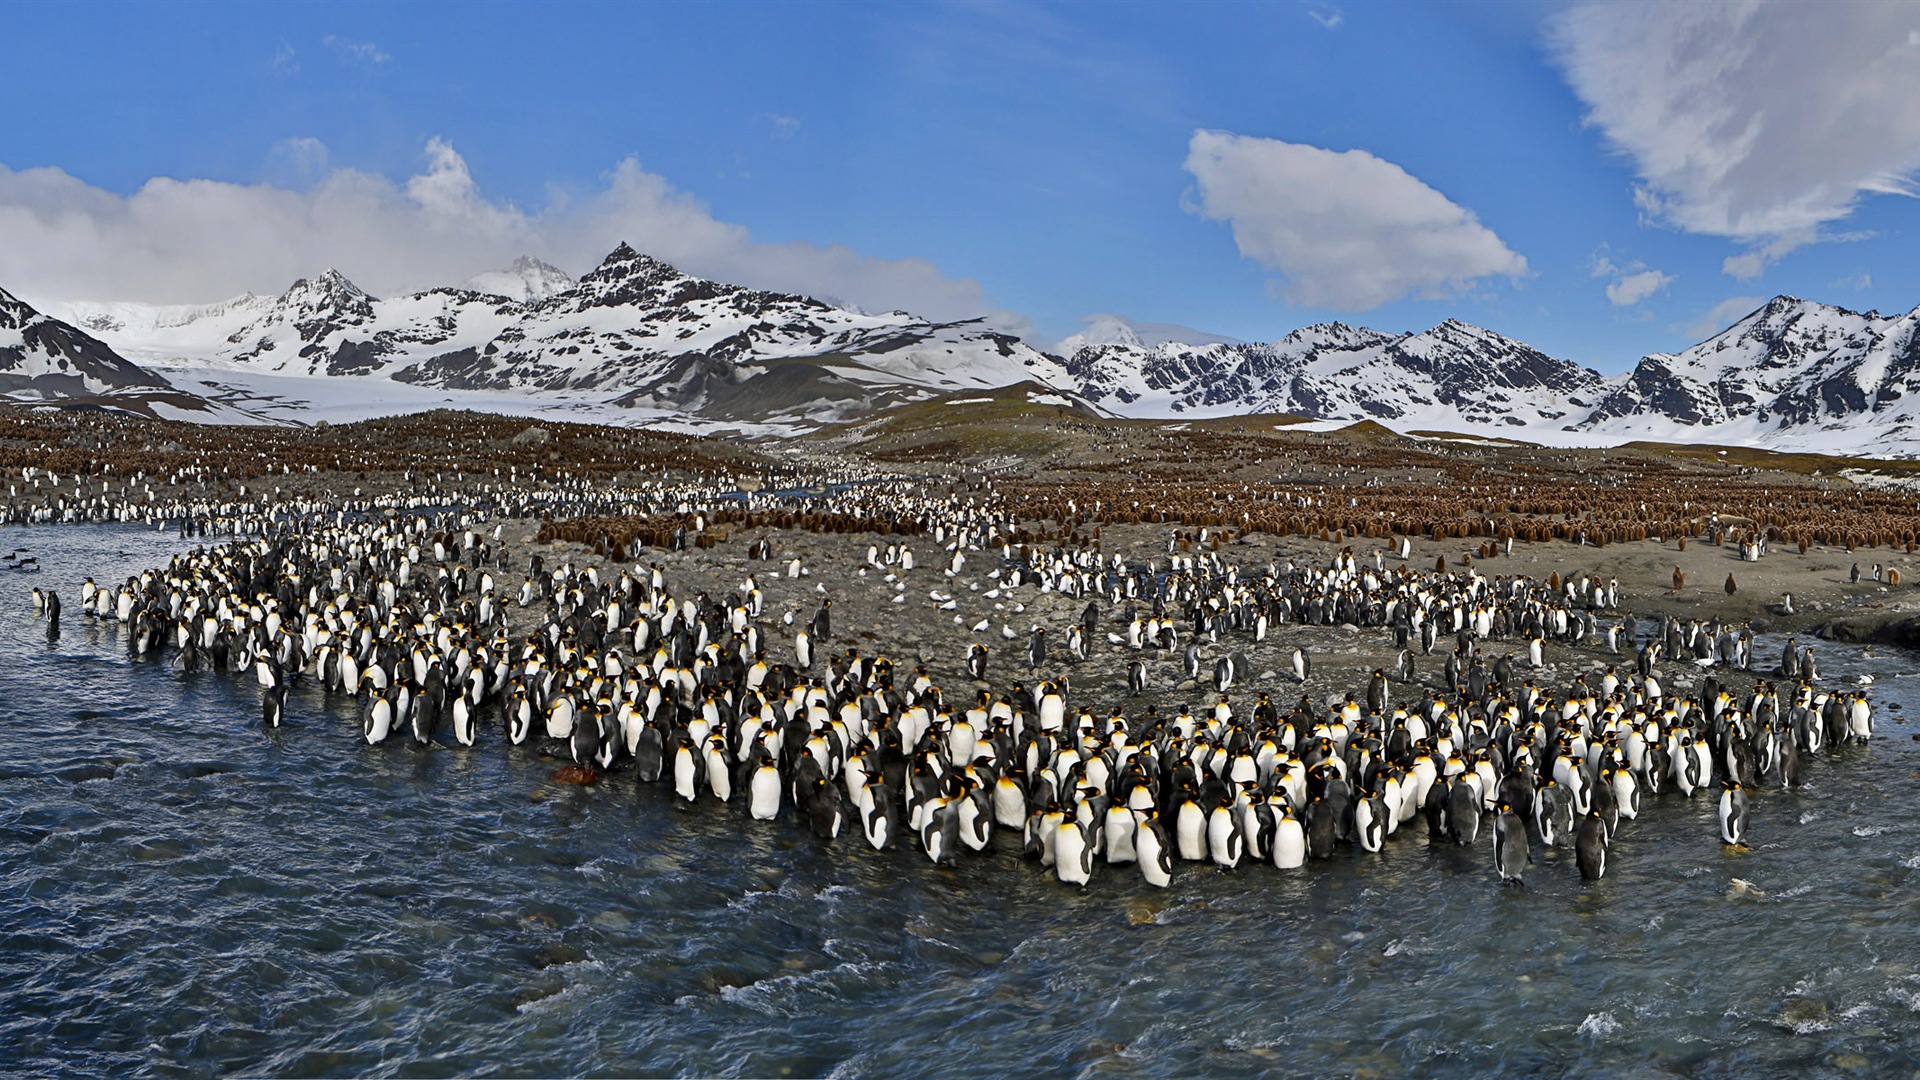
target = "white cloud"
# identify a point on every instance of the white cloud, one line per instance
(363, 51)
(1754, 261)
(1327, 16)
(1720, 316)
(787, 126)
(1634, 288)
(1348, 230)
(1858, 281)
(1631, 283)
(1761, 122)
(194, 241)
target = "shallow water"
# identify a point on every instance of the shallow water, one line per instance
(182, 892)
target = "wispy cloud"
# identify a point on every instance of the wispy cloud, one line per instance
(1328, 16)
(1761, 122)
(1858, 281)
(1348, 230)
(786, 126)
(285, 61)
(365, 52)
(1720, 316)
(185, 241)
(1754, 261)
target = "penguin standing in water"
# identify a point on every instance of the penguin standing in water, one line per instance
(878, 823)
(1733, 813)
(465, 723)
(1590, 850)
(1150, 848)
(1462, 812)
(376, 717)
(1072, 855)
(1859, 719)
(1322, 828)
(1369, 822)
(1790, 774)
(1190, 829)
(688, 768)
(940, 831)
(1510, 850)
(1119, 839)
(1225, 842)
(763, 791)
(823, 809)
(1289, 841)
(649, 752)
(273, 705)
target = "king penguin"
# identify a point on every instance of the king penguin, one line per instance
(1150, 847)
(1510, 849)
(1733, 813)
(1590, 850)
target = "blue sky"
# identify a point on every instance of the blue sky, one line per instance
(1599, 182)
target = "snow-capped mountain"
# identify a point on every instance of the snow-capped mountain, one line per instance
(44, 357)
(527, 279)
(1107, 328)
(1792, 372)
(634, 332)
(1450, 375)
(636, 337)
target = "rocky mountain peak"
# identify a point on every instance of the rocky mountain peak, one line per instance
(49, 358)
(629, 277)
(14, 312)
(329, 294)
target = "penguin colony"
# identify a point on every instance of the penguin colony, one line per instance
(92, 466)
(714, 700)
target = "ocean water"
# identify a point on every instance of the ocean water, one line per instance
(185, 893)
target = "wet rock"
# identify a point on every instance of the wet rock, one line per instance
(556, 955)
(1898, 630)
(1143, 912)
(1802, 1013)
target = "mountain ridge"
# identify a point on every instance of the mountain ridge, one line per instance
(635, 332)
(43, 356)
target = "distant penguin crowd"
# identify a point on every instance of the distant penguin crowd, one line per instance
(711, 699)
